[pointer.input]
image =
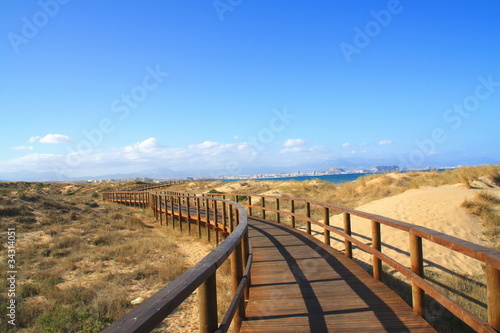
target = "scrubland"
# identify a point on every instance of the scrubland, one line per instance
(81, 261)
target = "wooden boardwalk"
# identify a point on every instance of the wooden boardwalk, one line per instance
(298, 284)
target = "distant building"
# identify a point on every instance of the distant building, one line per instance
(384, 169)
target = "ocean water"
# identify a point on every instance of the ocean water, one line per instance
(336, 179)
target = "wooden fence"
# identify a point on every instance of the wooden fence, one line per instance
(217, 208)
(263, 204)
(221, 219)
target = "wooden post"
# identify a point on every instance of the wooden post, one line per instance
(417, 266)
(172, 198)
(179, 212)
(188, 215)
(326, 221)
(278, 215)
(292, 209)
(231, 220)
(166, 209)
(250, 204)
(155, 206)
(208, 304)
(224, 215)
(161, 210)
(308, 214)
(236, 275)
(347, 230)
(198, 216)
(263, 204)
(377, 245)
(493, 285)
(207, 210)
(216, 223)
(246, 251)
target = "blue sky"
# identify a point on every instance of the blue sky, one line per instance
(91, 87)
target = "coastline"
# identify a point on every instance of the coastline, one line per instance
(336, 179)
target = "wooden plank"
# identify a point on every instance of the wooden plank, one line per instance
(302, 285)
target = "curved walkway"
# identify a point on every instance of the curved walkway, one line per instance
(298, 284)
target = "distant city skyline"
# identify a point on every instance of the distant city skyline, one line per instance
(92, 89)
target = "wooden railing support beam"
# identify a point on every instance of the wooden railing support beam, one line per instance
(236, 275)
(377, 245)
(208, 305)
(493, 285)
(417, 266)
(347, 230)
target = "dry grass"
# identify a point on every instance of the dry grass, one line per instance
(80, 260)
(486, 206)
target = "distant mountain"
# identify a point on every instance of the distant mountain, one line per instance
(32, 176)
(163, 173)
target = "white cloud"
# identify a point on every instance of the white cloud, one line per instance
(22, 148)
(303, 149)
(244, 146)
(33, 139)
(294, 150)
(54, 138)
(225, 158)
(346, 145)
(205, 145)
(355, 152)
(385, 142)
(294, 143)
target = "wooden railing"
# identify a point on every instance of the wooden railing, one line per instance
(221, 217)
(489, 257)
(156, 186)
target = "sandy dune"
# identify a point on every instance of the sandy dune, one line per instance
(436, 208)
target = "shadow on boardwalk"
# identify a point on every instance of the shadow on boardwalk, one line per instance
(299, 284)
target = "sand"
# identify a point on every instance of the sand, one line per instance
(437, 208)
(186, 317)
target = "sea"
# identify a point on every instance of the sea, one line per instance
(336, 179)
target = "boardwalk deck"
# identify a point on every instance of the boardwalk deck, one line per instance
(299, 284)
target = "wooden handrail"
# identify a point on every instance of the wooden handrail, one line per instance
(146, 316)
(416, 233)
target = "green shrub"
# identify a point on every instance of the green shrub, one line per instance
(30, 289)
(72, 318)
(14, 211)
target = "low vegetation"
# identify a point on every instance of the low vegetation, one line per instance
(485, 206)
(81, 261)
